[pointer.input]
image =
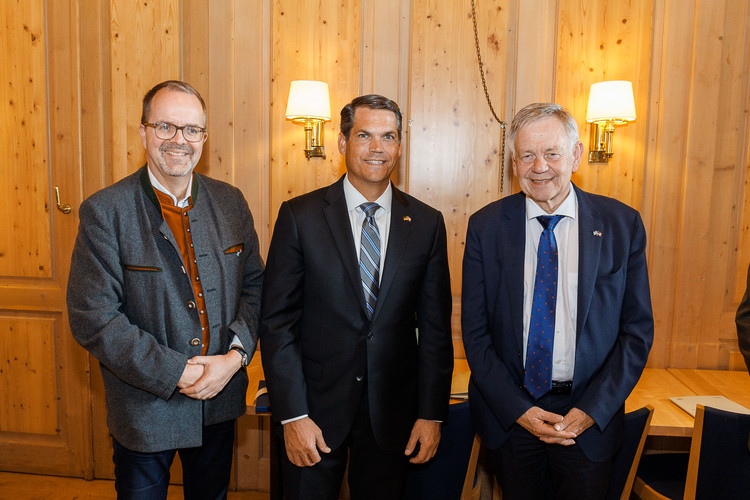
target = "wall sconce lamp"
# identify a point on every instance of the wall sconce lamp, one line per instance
(309, 105)
(610, 103)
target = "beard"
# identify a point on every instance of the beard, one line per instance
(176, 166)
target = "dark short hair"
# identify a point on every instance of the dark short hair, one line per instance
(372, 101)
(539, 111)
(175, 85)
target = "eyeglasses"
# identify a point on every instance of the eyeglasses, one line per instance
(166, 131)
(550, 157)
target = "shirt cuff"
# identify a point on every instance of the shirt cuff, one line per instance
(236, 342)
(293, 419)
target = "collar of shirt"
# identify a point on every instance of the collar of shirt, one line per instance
(354, 198)
(185, 202)
(566, 208)
(356, 216)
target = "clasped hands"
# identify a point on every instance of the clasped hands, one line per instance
(553, 428)
(304, 441)
(205, 376)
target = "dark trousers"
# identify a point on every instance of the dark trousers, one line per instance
(528, 469)
(205, 469)
(373, 474)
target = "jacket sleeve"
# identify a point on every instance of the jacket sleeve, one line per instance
(281, 310)
(246, 325)
(95, 300)
(434, 324)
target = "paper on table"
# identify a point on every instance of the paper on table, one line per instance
(688, 403)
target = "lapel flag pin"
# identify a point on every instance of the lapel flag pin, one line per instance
(407, 218)
(597, 233)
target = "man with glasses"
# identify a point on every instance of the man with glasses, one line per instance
(164, 292)
(556, 318)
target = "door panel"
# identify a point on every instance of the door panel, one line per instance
(45, 416)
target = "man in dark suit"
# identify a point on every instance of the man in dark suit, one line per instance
(355, 321)
(164, 291)
(556, 318)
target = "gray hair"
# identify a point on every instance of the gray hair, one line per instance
(539, 111)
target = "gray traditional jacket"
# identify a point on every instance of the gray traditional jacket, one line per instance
(129, 305)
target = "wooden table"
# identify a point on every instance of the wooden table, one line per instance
(655, 388)
(734, 385)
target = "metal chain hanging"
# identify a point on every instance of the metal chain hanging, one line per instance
(503, 125)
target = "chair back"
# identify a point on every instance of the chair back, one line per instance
(443, 477)
(625, 462)
(719, 465)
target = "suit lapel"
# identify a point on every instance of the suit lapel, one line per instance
(512, 231)
(590, 244)
(337, 216)
(397, 237)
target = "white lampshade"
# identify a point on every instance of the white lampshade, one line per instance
(308, 99)
(611, 100)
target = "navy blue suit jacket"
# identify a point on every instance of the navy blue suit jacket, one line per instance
(614, 328)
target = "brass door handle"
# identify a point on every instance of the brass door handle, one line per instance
(64, 208)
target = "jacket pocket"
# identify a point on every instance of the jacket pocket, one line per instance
(145, 269)
(235, 249)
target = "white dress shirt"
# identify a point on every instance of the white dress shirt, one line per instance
(357, 216)
(566, 309)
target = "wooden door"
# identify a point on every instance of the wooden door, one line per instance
(45, 405)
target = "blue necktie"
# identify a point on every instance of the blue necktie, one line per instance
(538, 376)
(369, 257)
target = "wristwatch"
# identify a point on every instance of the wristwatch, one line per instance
(245, 361)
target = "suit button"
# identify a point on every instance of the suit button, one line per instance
(191, 305)
(359, 378)
(195, 342)
(369, 336)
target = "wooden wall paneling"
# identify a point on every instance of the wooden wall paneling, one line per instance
(732, 143)
(597, 41)
(24, 248)
(145, 50)
(696, 306)
(220, 93)
(742, 178)
(454, 141)
(384, 63)
(669, 171)
(533, 54)
(96, 150)
(707, 193)
(252, 90)
(311, 41)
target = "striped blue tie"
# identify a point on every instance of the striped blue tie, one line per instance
(538, 376)
(369, 257)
